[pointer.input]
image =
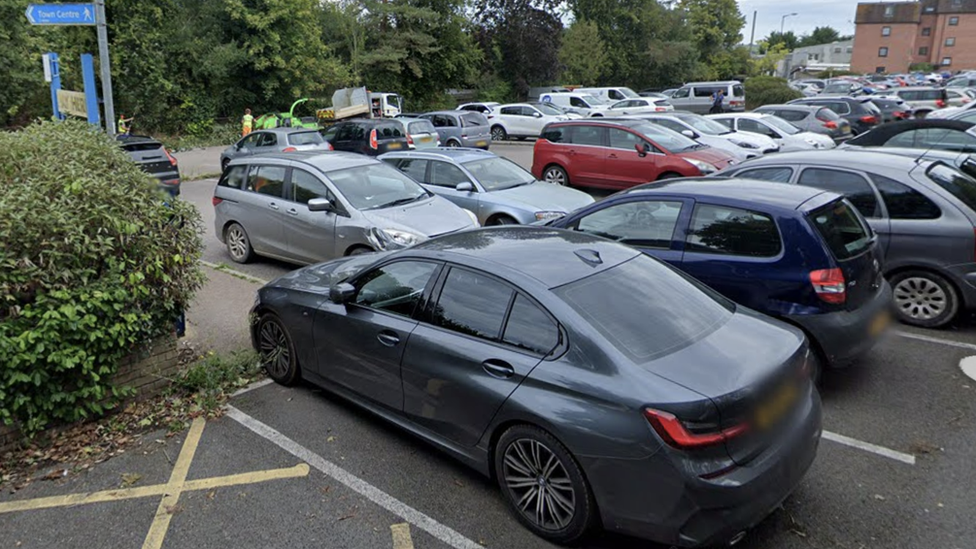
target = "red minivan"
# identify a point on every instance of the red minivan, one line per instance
(619, 154)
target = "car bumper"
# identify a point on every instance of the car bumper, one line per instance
(650, 499)
(844, 336)
(170, 186)
(964, 277)
(477, 142)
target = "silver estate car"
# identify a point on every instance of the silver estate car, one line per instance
(499, 191)
(311, 207)
(275, 140)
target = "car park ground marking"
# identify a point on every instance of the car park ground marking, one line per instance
(868, 447)
(170, 491)
(968, 367)
(440, 531)
(930, 339)
(401, 536)
(251, 387)
(233, 272)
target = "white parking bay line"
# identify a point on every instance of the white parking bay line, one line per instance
(868, 447)
(367, 490)
(949, 342)
(251, 387)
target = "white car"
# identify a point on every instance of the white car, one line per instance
(711, 133)
(522, 120)
(950, 112)
(786, 135)
(642, 105)
(583, 103)
(483, 108)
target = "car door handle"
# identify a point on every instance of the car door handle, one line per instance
(388, 338)
(272, 205)
(498, 368)
(292, 211)
(611, 156)
(571, 152)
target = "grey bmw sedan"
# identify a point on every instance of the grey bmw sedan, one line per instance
(595, 384)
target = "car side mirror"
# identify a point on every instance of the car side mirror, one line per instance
(537, 114)
(641, 149)
(689, 133)
(320, 205)
(342, 293)
(464, 187)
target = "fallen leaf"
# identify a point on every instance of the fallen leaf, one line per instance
(330, 439)
(940, 505)
(55, 474)
(128, 479)
(173, 509)
(879, 497)
(212, 495)
(459, 483)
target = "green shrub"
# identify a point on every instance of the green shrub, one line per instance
(768, 90)
(921, 67)
(93, 263)
(209, 380)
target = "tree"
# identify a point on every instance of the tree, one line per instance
(716, 27)
(583, 54)
(787, 39)
(768, 63)
(820, 35)
(20, 57)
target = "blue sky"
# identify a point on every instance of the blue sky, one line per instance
(810, 14)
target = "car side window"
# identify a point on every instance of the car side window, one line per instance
(622, 139)
(646, 224)
(395, 288)
(589, 135)
(417, 169)
(250, 141)
(554, 135)
(669, 124)
(776, 175)
(577, 102)
(903, 202)
(344, 133)
(791, 116)
(753, 126)
(681, 93)
(938, 138)
(732, 231)
(472, 304)
(306, 186)
(968, 117)
(727, 122)
(268, 139)
(234, 177)
(511, 110)
(530, 328)
(443, 174)
(267, 180)
(851, 185)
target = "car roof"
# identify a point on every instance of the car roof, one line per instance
(455, 112)
(756, 115)
(713, 82)
(369, 121)
(456, 154)
(804, 108)
(325, 161)
(857, 158)
(134, 139)
(553, 257)
(287, 130)
(409, 119)
(738, 190)
(516, 105)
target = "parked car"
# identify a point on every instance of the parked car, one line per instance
(521, 120)
(843, 87)
(784, 134)
(619, 153)
(815, 82)
(461, 128)
(952, 112)
(949, 135)
(962, 81)
(959, 97)
(924, 100)
(275, 140)
(569, 113)
(923, 211)
(497, 190)
(811, 118)
(365, 136)
(964, 162)
(421, 134)
(568, 368)
(639, 106)
(307, 207)
(537, 92)
(697, 96)
(153, 158)
(652, 94)
(801, 255)
(860, 112)
(892, 107)
(740, 145)
(610, 94)
(583, 103)
(483, 108)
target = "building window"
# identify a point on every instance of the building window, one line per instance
(838, 50)
(879, 70)
(953, 21)
(927, 31)
(889, 11)
(923, 50)
(850, 49)
(882, 52)
(946, 61)
(885, 31)
(950, 42)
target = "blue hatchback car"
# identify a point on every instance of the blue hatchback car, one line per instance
(802, 255)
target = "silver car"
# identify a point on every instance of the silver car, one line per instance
(421, 134)
(275, 140)
(461, 128)
(310, 207)
(499, 191)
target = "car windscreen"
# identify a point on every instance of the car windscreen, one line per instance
(422, 126)
(704, 125)
(498, 173)
(376, 186)
(628, 93)
(842, 229)
(646, 309)
(959, 185)
(670, 140)
(592, 100)
(305, 138)
(469, 119)
(781, 125)
(547, 108)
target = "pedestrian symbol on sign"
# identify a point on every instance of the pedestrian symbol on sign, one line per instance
(88, 15)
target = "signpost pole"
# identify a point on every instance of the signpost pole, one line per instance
(91, 95)
(101, 25)
(55, 83)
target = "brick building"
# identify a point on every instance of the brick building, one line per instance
(890, 36)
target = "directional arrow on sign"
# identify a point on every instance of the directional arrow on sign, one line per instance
(61, 14)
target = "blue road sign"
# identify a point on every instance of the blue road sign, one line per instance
(61, 14)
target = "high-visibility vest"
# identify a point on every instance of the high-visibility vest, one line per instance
(248, 120)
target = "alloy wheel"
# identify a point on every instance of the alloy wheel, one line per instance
(555, 175)
(541, 488)
(498, 134)
(275, 352)
(237, 243)
(920, 298)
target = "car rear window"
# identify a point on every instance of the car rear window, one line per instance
(646, 309)
(141, 147)
(422, 126)
(788, 115)
(841, 229)
(957, 184)
(827, 115)
(305, 138)
(469, 119)
(389, 131)
(738, 91)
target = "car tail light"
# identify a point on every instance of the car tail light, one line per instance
(329, 147)
(829, 285)
(216, 200)
(939, 103)
(659, 109)
(373, 143)
(409, 139)
(172, 159)
(830, 125)
(869, 119)
(289, 150)
(966, 100)
(674, 432)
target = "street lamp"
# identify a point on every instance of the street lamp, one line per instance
(782, 22)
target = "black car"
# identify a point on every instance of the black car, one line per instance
(153, 158)
(892, 109)
(938, 134)
(367, 136)
(859, 111)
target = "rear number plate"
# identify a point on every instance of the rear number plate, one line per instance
(879, 324)
(394, 146)
(776, 407)
(481, 144)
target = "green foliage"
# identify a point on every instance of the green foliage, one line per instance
(788, 40)
(20, 57)
(583, 54)
(92, 264)
(766, 65)
(208, 381)
(922, 67)
(820, 35)
(716, 28)
(206, 133)
(768, 90)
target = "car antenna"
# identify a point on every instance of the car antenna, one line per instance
(591, 257)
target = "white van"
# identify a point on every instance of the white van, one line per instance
(581, 103)
(611, 94)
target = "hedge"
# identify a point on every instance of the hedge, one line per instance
(768, 90)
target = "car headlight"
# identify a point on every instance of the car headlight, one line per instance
(393, 239)
(546, 215)
(743, 144)
(704, 167)
(474, 218)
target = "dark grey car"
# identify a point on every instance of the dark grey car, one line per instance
(273, 141)
(924, 213)
(596, 384)
(461, 128)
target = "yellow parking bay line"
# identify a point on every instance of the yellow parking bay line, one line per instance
(71, 500)
(401, 536)
(167, 505)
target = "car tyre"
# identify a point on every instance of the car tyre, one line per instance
(502, 220)
(360, 250)
(238, 243)
(277, 351)
(556, 175)
(668, 175)
(498, 133)
(924, 299)
(453, 144)
(530, 463)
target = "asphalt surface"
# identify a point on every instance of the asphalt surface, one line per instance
(907, 397)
